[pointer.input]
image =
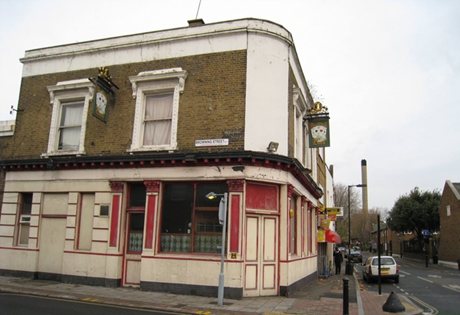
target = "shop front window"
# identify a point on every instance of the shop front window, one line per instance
(190, 222)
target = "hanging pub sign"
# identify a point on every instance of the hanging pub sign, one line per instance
(104, 95)
(100, 102)
(318, 124)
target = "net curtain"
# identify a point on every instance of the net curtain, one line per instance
(158, 119)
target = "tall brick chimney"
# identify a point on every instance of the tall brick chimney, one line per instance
(364, 182)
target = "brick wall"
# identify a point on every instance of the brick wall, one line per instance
(449, 245)
(211, 106)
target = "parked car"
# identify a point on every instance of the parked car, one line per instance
(356, 256)
(389, 269)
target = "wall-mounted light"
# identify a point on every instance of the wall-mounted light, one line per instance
(273, 146)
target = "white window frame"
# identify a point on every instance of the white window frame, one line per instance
(24, 222)
(150, 83)
(300, 140)
(81, 90)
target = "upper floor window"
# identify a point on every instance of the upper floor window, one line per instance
(70, 100)
(70, 126)
(300, 139)
(158, 119)
(157, 106)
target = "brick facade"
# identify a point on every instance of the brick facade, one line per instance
(214, 88)
(449, 247)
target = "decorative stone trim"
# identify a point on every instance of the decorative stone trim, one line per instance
(159, 75)
(152, 185)
(117, 186)
(303, 200)
(235, 184)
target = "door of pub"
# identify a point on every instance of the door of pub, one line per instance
(134, 234)
(133, 249)
(261, 256)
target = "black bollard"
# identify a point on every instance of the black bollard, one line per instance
(393, 304)
(345, 296)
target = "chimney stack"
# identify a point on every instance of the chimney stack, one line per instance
(196, 22)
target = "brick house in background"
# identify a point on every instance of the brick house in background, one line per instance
(449, 216)
(112, 192)
(391, 242)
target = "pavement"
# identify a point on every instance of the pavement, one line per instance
(322, 296)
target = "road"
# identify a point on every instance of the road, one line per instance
(436, 291)
(20, 304)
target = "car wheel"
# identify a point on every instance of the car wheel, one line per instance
(397, 280)
(368, 279)
(364, 276)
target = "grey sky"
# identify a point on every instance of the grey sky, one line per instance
(389, 71)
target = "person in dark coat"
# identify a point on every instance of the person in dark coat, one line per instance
(338, 258)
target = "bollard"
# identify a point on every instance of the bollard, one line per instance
(393, 304)
(345, 296)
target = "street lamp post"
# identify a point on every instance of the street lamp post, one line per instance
(348, 269)
(223, 221)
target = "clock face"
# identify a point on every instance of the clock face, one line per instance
(101, 103)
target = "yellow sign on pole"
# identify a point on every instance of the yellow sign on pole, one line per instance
(337, 210)
(321, 236)
(325, 223)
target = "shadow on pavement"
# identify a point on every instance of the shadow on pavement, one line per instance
(330, 287)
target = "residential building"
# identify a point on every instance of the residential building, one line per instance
(118, 142)
(449, 216)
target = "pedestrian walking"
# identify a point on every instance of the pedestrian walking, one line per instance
(338, 258)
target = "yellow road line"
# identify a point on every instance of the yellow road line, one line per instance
(90, 300)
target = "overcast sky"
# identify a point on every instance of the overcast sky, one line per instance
(389, 71)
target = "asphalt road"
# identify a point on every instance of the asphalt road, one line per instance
(19, 304)
(434, 291)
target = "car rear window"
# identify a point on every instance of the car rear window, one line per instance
(383, 261)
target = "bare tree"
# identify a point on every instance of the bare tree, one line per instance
(360, 222)
(361, 225)
(341, 200)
